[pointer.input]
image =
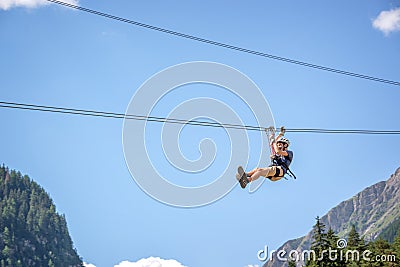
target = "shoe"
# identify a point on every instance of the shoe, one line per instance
(243, 181)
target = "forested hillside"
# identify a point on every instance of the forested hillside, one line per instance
(32, 233)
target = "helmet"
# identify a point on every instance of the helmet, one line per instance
(284, 140)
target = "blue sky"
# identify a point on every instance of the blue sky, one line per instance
(56, 56)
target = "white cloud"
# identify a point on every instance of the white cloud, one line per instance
(150, 262)
(388, 21)
(7, 4)
(88, 265)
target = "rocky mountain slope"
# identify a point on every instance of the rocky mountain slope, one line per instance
(371, 211)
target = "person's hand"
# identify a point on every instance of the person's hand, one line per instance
(270, 130)
(283, 130)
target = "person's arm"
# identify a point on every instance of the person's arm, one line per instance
(277, 151)
(271, 138)
(281, 133)
(279, 136)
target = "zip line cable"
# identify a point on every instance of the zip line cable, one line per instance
(224, 45)
(94, 113)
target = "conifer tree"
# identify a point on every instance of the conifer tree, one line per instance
(291, 263)
(396, 247)
(354, 240)
(354, 248)
(379, 248)
(334, 252)
(319, 245)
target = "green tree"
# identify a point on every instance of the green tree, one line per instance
(396, 246)
(291, 263)
(354, 249)
(320, 241)
(354, 240)
(380, 248)
(334, 259)
(319, 245)
(6, 236)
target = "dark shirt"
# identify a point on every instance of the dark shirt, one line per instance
(283, 161)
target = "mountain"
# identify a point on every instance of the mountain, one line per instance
(374, 211)
(31, 231)
(390, 232)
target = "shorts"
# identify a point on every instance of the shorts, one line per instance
(275, 171)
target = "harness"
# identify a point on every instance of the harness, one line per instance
(277, 160)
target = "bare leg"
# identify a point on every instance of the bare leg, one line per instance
(258, 172)
(250, 173)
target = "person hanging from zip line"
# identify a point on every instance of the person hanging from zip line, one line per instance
(281, 158)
